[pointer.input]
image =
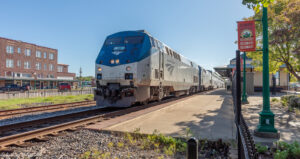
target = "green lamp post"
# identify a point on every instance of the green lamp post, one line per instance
(244, 96)
(266, 127)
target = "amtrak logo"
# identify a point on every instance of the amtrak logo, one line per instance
(170, 68)
(117, 52)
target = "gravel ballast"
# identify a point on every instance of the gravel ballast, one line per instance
(76, 144)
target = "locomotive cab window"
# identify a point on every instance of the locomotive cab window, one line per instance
(114, 41)
(134, 40)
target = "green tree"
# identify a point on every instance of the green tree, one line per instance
(256, 3)
(284, 33)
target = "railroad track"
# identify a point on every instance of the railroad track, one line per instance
(87, 118)
(4, 114)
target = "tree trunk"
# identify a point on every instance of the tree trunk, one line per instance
(292, 71)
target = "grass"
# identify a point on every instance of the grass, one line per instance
(165, 146)
(17, 103)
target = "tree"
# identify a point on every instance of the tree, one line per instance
(256, 3)
(284, 33)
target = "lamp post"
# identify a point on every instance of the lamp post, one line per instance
(266, 127)
(34, 75)
(244, 96)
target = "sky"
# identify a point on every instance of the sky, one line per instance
(201, 30)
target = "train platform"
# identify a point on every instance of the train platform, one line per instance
(207, 115)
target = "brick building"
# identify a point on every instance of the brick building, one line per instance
(24, 63)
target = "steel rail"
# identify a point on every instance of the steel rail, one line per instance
(9, 113)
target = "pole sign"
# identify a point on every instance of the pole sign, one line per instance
(246, 36)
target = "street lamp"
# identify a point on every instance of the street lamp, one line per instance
(266, 127)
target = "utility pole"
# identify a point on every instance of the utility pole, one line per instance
(266, 120)
(80, 77)
(244, 96)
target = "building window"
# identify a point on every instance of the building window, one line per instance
(19, 63)
(51, 56)
(19, 50)
(45, 55)
(27, 52)
(27, 65)
(26, 75)
(45, 66)
(9, 49)
(60, 68)
(51, 67)
(38, 66)
(9, 63)
(38, 54)
(50, 76)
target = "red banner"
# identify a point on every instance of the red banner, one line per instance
(246, 36)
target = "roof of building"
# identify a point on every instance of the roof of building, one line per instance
(27, 43)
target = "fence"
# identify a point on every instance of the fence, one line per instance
(43, 93)
(246, 146)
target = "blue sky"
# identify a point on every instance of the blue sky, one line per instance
(201, 30)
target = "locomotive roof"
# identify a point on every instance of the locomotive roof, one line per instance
(183, 58)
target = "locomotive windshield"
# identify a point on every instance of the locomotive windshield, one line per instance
(133, 40)
(126, 40)
(113, 41)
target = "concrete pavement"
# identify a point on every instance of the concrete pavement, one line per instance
(207, 115)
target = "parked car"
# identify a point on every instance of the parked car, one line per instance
(64, 87)
(295, 86)
(12, 87)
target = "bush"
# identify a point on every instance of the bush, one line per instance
(285, 150)
(291, 101)
(294, 102)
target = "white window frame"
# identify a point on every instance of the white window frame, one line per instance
(9, 63)
(38, 66)
(19, 50)
(9, 49)
(38, 54)
(27, 52)
(45, 55)
(27, 65)
(51, 67)
(60, 68)
(51, 56)
(19, 63)
(45, 66)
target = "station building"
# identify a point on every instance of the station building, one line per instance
(24, 63)
(254, 79)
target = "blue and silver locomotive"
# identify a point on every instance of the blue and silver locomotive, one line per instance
(133, 66)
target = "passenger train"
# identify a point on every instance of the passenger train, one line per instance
(133, 66)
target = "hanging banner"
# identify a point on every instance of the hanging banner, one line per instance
(246, 36)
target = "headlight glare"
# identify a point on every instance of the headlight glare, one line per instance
(112, 61)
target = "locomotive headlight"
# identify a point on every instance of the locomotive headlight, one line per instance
(112, 61)
(99, 69)
(128, 68)
(117, 61)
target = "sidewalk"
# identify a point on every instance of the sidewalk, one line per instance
(288, 124)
